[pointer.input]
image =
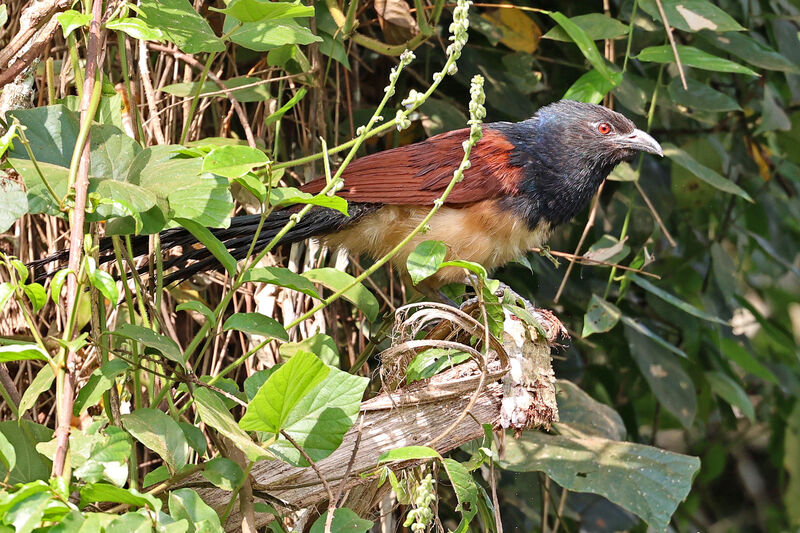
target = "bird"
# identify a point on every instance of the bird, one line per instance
(525, 179)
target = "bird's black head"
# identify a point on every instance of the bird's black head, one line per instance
(590, 135)
(567, 149)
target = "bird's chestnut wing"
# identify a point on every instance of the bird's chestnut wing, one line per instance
(417, 174)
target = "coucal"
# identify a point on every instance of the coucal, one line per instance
(526, 178)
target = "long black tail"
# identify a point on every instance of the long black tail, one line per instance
(237, 238)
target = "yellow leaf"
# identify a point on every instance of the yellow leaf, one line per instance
(757, 154)
(520, 33)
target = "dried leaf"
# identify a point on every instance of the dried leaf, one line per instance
(396, 21)
(519, 31)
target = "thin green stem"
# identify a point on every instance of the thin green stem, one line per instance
(630, 36)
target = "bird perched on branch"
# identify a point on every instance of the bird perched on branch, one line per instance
(525, 179)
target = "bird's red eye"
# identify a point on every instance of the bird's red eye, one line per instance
(604, 128)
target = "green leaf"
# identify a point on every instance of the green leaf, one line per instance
(57, 283)
(274, 117)
(104, 282)
(253, 185)
(320, 345)
(233, 161)
(673, 300)
(467, 491)
(22, 270)
(193, 194)
(6, 292)
(186, 504)
(256, 324)
(181, 25)
(700, 96)
(51, 131)
(195, 437)
(36, 294)
(243, 88)
(475, 268)
(773, 117)
(600, 316)
(425, 260)
(160, 433)
(581, 415)
(647, 332)
(24, 436)
(268, 34)
(223, 473)
(667, 379)
(344, 521)
(136, 28)
(22, 352)
(585, 44)
(692, 57)
(750, 50)
(745, 359)
(214, 245)
(269, 410)
(729, 390)
(258, 10)
(358, 294)
(26, 514)
(644, 480)
(70, 20)
(319, 421)
(44, 378)
(8, 456)
(592, 87)
(709, 176)
(791, 462)
(100, 381)
(157, 475)
(282, 277)
(432, 361)
(100, 456)
(164, 345)
(283, 196)
(692, 15)
(408, 453)
(212, 411)
(14, 201)
(199, 307)
(596, 26)
(103, 492)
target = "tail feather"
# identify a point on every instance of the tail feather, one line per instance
(237, 238)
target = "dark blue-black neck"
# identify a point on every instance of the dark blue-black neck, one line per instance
(558, 180)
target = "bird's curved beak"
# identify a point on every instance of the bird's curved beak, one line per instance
(639, 140)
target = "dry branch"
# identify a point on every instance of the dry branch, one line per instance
(419, 414)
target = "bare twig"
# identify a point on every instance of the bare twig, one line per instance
(672, 44)
(331, 502)
(656, 216)
(37, 15)
(589, 261)
(144, 75)
(589, 224)
(191, 61)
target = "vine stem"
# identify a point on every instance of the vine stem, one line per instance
(79, 179)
